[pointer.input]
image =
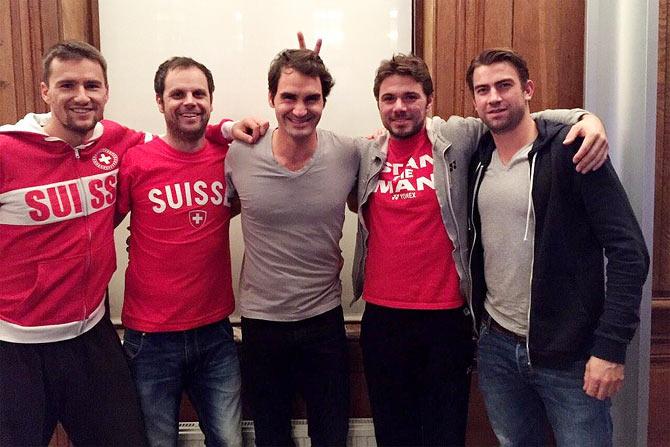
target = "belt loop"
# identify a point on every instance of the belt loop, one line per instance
(487, 321)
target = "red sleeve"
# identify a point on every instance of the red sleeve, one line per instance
(123, 138)
(214, 134)
(123, 188)
(135, 137)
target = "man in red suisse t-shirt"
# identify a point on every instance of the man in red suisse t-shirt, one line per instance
(178, 290)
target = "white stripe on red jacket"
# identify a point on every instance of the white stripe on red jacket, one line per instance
(56, 220)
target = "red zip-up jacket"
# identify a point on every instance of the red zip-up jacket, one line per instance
(56, 228)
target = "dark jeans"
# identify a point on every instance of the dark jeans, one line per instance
(83, 382)
(201, 361)
(417, 367)
(309, 356)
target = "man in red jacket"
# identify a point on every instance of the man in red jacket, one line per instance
(60, 358)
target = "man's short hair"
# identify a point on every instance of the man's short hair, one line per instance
(72, 50)
(306, 62)
(495, 55)
(404, 65)
(180, 62)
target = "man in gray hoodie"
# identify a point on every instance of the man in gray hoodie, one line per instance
(411, 257)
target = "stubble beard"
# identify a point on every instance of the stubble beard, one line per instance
(513, 119)
(82, 129)
(406, 134)
(415, 129)
(188, 135)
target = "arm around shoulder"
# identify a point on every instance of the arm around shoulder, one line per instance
(563, 116)
(594, 148)
(463, 132)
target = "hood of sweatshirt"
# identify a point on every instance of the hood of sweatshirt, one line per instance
(33, 125)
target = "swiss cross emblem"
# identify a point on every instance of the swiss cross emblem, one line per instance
(197, 218)
(105, 159)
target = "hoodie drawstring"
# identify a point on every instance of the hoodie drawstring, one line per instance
(530, 196)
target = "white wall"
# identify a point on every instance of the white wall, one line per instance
(620, 87)
(236, 40)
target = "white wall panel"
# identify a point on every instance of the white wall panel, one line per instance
(620, 87)
(237, 40)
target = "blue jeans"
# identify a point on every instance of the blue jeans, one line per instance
(518, 397)
(203, 362)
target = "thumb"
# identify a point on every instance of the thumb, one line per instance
(570, 137)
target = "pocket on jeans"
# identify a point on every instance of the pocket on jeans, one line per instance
(132, 343)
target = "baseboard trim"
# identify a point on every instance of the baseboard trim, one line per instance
(361, 433)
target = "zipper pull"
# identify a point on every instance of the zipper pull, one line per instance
(76, 153)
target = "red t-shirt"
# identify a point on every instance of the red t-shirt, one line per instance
(409, 263)
(179, 274)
